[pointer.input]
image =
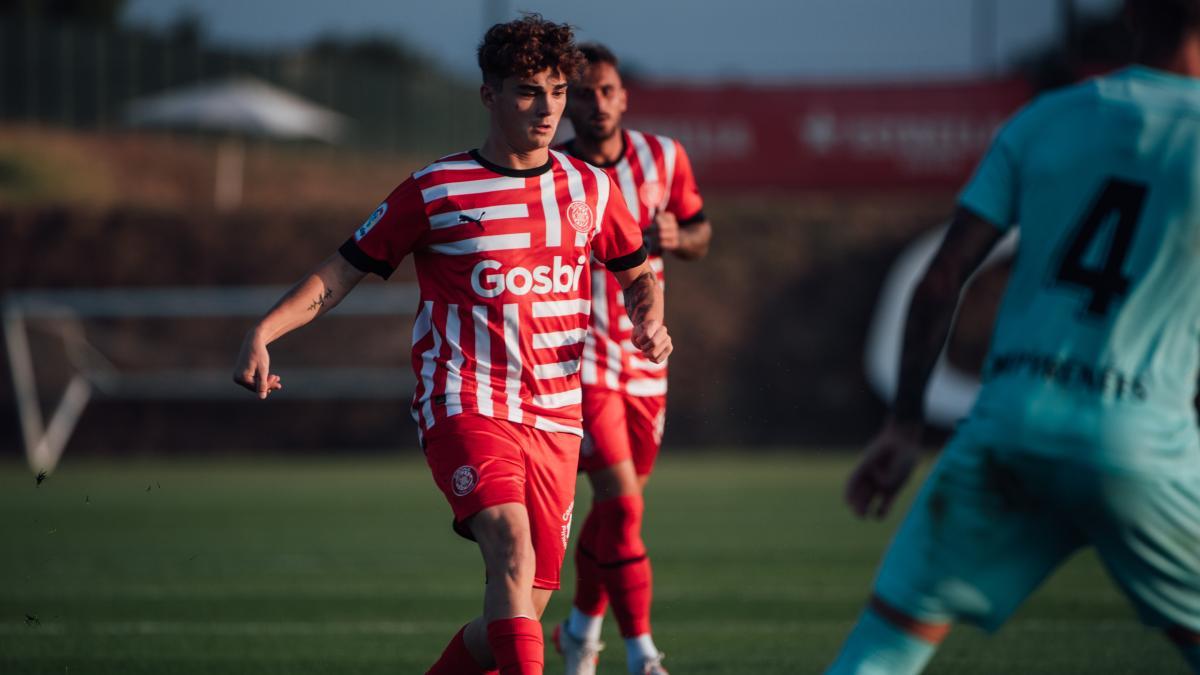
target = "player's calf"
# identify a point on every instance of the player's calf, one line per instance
(886, 641)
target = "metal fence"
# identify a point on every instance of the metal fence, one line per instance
(82, 77)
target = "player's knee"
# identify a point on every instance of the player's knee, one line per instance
(615, 481)
(620, 536)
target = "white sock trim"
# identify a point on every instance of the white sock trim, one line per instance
(639, 648)
(585, 626)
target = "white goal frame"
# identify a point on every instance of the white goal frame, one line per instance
(44, 441)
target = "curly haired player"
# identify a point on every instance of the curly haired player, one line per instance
(503, 239)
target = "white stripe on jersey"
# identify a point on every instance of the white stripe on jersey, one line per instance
(454, 365)
(428, 363)
(549, 371)
(491, 242)
(624, 323)
(645, 157)
(588, 376)
(646, 364)
(548, 308)
(560, 399)
(602, 182)
(552, 426)
(472, 187)
(656, 264)
(612, 365)
(550, 207)
(512, 345)
(668, 150)
(463, 165)
(440, 221)
(646, 387)
(483, 361)
(560, 338)
(628, 189)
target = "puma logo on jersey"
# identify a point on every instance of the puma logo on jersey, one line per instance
(488, 281)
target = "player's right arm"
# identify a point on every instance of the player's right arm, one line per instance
(893, 453)
(378, 246)
(311, 297)
(988, 206)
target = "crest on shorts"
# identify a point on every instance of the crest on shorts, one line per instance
(579, 215)
(651, 194)
(464, 480)
(374, 218)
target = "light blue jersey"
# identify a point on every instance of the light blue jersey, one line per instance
(1097, 343)
(1083, 434)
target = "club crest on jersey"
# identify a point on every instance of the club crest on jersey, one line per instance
(375, 218)
(464, 480)
(579, 215)
(651, 194)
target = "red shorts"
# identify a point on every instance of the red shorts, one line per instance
(480, 461)
(617, 427)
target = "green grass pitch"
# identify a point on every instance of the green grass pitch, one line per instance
(349, 566)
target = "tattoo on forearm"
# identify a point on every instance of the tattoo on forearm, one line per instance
(320, 302)
(639, 296)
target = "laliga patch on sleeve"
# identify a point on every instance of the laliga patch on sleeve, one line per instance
(374, 218)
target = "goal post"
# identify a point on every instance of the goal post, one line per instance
(92, 375)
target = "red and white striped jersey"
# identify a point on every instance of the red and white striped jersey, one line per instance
(654, 175)
(503, 262)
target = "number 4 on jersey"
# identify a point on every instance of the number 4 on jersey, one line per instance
(1124, 200)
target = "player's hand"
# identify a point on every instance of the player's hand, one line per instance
(652, 339)
(664, 233)
(252, 369)
(884, 469)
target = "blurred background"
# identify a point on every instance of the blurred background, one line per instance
(160, 151)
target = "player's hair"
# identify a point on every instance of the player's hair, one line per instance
(594, 52)
(526, 46)
(1161, 24)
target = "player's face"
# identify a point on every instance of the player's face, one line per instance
(596, 102)
(526, 110)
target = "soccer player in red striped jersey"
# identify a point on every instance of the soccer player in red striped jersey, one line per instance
(624, 394)
(502, 238)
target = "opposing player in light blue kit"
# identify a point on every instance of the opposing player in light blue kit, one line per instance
(1084, 432)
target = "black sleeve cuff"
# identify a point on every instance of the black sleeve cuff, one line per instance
(627, 262)
(363, 262)
(698, 218)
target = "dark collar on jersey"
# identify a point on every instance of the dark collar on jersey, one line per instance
(570, 147)
(506, 171)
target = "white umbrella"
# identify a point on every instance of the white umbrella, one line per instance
(237, 107)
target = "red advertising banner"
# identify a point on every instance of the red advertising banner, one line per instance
(880, 136)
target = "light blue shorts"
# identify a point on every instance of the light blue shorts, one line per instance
(990, 525)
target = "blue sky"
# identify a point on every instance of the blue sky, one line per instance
(762, 40)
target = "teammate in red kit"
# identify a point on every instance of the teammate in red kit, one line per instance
(624, 394)
(501, 237)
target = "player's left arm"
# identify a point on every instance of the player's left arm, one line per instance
(644, 305)
(619, 246)
(893, 453)
(682, 228)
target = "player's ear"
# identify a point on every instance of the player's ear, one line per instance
(487, 94)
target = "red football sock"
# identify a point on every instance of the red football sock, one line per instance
(590, 596)
(456, 660)
(623, 563)
(517, 645)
